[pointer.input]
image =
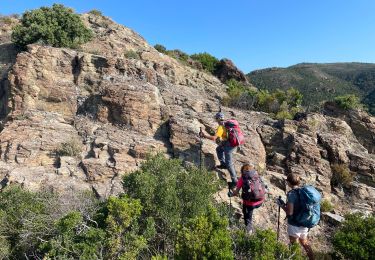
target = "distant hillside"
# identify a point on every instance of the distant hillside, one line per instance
(319, 82)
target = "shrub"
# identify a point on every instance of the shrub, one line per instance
(96, 12)
(112, 234)
(25, 218)
(239, 95)
(326, 206)
(70, 148)
(355, 239)
(160, 48)
(208, 61)
(179, 55)
(57, 26)
(74, 239)
(341, 175)
(131, 55)
(348, 102)
(170, 195)
(204, 237)
(6, 20)
(263, 244)
(280, 104)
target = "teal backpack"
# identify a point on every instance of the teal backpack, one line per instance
(309, 202)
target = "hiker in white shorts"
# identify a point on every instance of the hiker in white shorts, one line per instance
(291, 207)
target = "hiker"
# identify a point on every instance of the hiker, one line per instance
(226, 143)
(300, 217)
(253, 193)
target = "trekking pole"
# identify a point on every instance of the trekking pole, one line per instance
(278, 222)
(230, 211)
(200, 148)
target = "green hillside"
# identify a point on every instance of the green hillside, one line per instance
(320, 82)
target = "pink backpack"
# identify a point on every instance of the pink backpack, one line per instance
(253, 188)
(235, 135)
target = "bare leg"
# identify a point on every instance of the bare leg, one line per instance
(307, 247)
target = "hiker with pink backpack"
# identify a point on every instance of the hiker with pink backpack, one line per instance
(253, 193)
(228, 136)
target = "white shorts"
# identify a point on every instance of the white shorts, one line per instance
(298, 232)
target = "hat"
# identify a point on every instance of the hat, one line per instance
(219, 115)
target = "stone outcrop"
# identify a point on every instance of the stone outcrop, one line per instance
(362, 124)
(227, 70)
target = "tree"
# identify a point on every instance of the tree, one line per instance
(263, 244)
(208, 61)
(57, 26)
(348, 102)
(112, 234)
(160, 48)
(204, 237)
(170, 195)
(25, 218)
(355, 239)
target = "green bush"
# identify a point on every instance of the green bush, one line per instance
(239, 95)
(112, 234)
(74, 239)
(6, 20)
(326, 206)
(263, 244)
(208, 61)
(70, 148)
(57, 26)
(160, 48)
(341, 175)
(96, 12)
(131, 55)
(280, 104)
(204, 237)
(25, 218)
(348, 102)
(355, 239)
(170, 195)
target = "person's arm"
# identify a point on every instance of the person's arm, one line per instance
(207, 136)
(210, 137)
(289, 209)
(236, 191)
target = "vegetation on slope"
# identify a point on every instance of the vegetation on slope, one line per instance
(57, 26)
(166, 211)
(280, 104)
(321, 82)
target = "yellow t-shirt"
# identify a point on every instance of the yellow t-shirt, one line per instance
(221, 132)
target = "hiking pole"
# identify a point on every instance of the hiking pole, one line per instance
(200, 148)
(230, 211)
(278, 221)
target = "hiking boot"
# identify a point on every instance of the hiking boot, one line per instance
(249, 229)
(221, 166)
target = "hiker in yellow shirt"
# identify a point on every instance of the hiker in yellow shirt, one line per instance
(224, 150)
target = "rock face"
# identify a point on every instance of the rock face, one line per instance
(362, 124)
(227, 70)
(115, 110)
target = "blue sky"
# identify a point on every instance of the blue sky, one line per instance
(253, 33)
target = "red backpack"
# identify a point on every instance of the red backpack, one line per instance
(234, 133)
(253, 188)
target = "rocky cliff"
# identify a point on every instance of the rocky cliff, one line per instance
(114, 110)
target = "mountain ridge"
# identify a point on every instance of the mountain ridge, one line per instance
(320, 82)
